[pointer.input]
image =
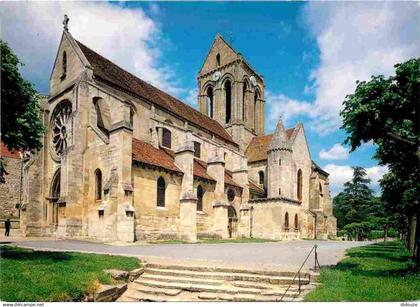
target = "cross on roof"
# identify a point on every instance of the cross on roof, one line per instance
(66, 22)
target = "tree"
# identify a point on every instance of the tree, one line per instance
(385, 111)
(356, 207)
(21, 125)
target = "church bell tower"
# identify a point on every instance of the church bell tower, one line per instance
(232, 93)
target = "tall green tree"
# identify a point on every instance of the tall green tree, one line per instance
(386, 111)
(352, 205)
(21, 125)
(358, 210)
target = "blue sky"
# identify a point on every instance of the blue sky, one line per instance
(310, 54)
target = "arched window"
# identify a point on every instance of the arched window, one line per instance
(286, 221)
(299, 184)
(64, 65)
(210, 102)
(261, 177)
(218, 59)
(200, 194)
(98, 184)
(244, 89)
(228, 97)
(320, 189)
(132, 117)
(256, 96)
(231, 195)
(166, 138)
(296, 222)
(161, 187)
(55, 186)
(60, 122)
(197, 150)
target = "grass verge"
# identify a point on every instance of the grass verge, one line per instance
(37, 276)
(377, 272)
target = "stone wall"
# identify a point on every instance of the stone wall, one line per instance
(10, 189)
(268, 219)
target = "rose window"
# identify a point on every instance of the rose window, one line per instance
(60, 129)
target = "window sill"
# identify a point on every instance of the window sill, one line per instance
(162, 208)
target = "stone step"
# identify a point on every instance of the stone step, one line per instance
(208, 296)
(156, 290)
(192, 287)
(251, 284)
(181, 279)
(219, 269)
(283, 280)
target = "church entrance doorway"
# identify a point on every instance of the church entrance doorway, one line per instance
(232, 221)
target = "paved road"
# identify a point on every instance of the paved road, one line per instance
(290, 253)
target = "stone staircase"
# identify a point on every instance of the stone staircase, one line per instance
(168, 282)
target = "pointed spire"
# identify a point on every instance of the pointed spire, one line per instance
(280, 140)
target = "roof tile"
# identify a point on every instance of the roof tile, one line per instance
(5, 152)
(257, 148)
(109, 72)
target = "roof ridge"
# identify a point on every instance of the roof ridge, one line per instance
(158, 92)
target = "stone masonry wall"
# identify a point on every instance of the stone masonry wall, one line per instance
(9, 191)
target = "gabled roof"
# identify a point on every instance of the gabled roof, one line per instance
(200, 170)
(229, 179)
(108, 72)
(238, 54)
(145, 153)
(257, 148)
(253, 187)
(318, 169)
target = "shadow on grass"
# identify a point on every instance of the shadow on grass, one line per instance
(7, 252)
(363, 261)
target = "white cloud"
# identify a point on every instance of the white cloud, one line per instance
(191, 98)
(127, 36)
(337, 152)
(286, 108)
(355, 41)
(340, 174)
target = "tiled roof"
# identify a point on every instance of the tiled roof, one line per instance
(255, 188)
(317, 168)
(200, 170)
(229, 180)
(4, 152)
(145, 153)
(257, 148)
(109, 72)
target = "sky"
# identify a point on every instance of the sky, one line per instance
(310, 54)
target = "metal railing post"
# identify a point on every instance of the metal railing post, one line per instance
(297, 274)
(299, 283)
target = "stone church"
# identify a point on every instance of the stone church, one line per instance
(125, 161)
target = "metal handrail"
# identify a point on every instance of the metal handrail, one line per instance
(297, 274)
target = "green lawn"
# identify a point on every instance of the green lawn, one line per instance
(27, 275)
(377, 272)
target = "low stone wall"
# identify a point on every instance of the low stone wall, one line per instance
(9, 190)
(268, 218)
(157, 228)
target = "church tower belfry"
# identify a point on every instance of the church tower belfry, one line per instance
(231, 92)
